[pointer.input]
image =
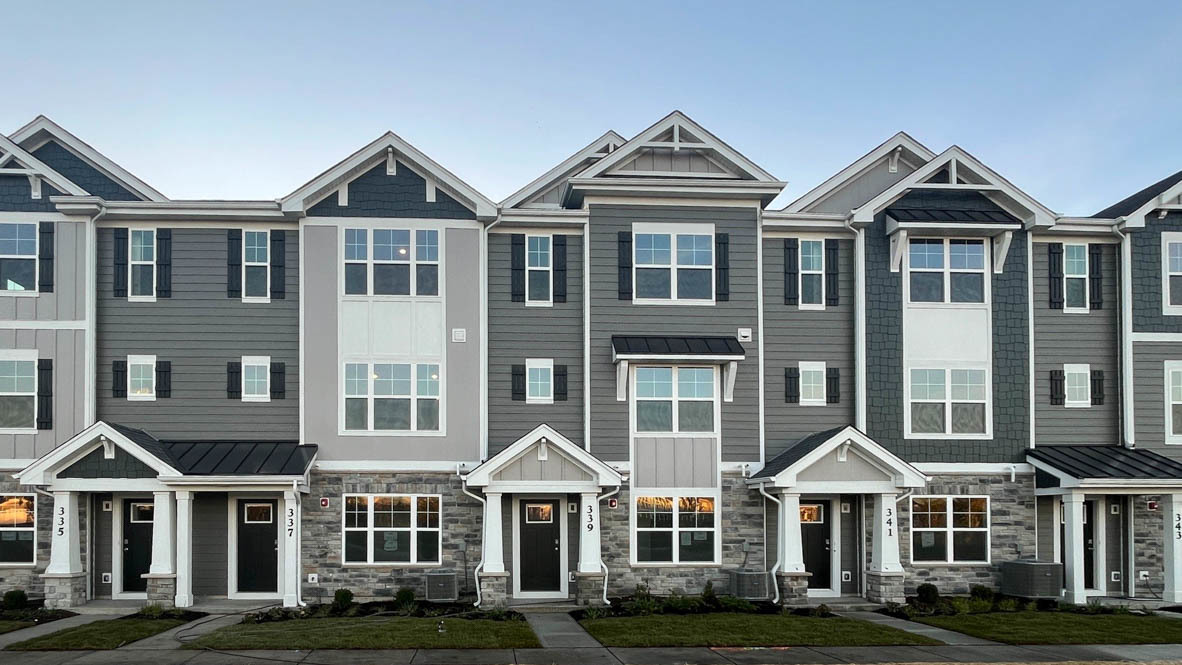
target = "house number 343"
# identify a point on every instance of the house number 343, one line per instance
(590, 518)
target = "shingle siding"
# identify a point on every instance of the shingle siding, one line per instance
(375, 194)
(17, 196)
(82, 174)
(1147, 282)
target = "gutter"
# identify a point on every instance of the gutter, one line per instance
(859, 324)
(480, 564)
(1128, 428)
(779, 537)
(602, 565)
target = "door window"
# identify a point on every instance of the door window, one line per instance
(812, 513)
(141, 513)
(257, 513)
(539, 513)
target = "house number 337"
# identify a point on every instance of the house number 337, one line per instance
(290, 522)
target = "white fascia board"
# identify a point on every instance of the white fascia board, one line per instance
(1136, 219)
(1082, 226)
(56, 179)
(943, 468)
(481, 476)
(805, 222)
(842, 177)
(196, 211)
(1066, 481)
(904, 474)
(96, 159)
(548, 179)
(712, 359)
(673, 188)
(536, 217)
(40, 471)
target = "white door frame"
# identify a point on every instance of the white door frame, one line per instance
(232, 501)
(117, 499)
(832, 518)
(1100, 542)
(563, 546)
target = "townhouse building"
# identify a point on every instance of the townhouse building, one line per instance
(630, 371)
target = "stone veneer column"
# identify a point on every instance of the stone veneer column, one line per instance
(161, 575)
(794, 588)
(1073, 548)
(884, 580)
(1172, 548)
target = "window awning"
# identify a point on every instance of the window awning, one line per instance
(1109, 467)
(659, 347)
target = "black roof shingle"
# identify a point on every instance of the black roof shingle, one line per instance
(1130, 203)
(1108, 462)
(797, 450)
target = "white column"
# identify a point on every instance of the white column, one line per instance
(163, 534)
(494, 555)
(184, 549)
(1172, 552)
(790, 541)
(1073, 548)
(589, 533)
(65, 553)
(884, 557)
(291, 552)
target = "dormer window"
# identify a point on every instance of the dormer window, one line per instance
(946, 270)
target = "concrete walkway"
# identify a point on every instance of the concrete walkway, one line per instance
(559, 630)
(51, 627)
(917, 628)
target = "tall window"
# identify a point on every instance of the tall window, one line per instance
(141, 377)
(953, 402)
(1173, 388)
(1077, 386)
(256, 270)
(812, 383)
(143, 264)
(18, 529)
(950, 529)
(537, 254)
(946, 270)
(675, 529)
(256, 378)
(812, 274)
(392, 397)
(539, 380)
(395, 267)
(1171, 265)
(664, 274)
(391, 528)
(674, 399)
(1075, 278)
(18, 394)
(18, 257)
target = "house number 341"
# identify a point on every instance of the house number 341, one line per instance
(890, 521)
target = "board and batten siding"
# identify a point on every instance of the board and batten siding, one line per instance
(792, 335)
(211, 524)
(517, 332)
(67, 302)
(1067, 338)
(199, 329)
(67, 349)
(612, 316)
(1149, 394)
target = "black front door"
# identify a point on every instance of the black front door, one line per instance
(539, 546)
(258, 546)
(137, 543)
(815, 543)
(1089, 538)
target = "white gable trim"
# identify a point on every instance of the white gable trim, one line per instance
(604, 475)
(41, 471)
(904, 475)
(548, 179)
(10, 150)
(1136, 219)
(887, 150)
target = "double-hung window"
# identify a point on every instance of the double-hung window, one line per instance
(674, 399)
(18, 390)
(538, 270)
(539, 380)
(402, 262)
(1075, 278)
(1171, 268)
(946, 270)
(675, 529)
(141, 378)
(391, 528)
(1077, 386)
(392, 397)
(18, 529)
(673, 266)
(953, 401)
(256, 268)
(812, 274)
(18, 257)
(812, 383)
(256, 378)
(1173, 399)
(950, 529)
(142, 265)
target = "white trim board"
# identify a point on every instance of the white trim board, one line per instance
(563, 547)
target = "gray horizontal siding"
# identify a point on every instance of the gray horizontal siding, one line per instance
(792, 335)
(199, 329)
(67, 302)
(67, 349)
(1149, 393)
(517, 332)
(1061, 338)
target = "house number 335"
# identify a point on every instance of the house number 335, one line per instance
(1177, 526)
(61, 521)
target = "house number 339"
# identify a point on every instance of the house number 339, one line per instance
(590, 518)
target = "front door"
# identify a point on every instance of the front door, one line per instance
(539, 546)
(137, 543)
(1089, 538)
(258, 546)
(816, 543)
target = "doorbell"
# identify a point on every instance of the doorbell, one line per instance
(106, 578)
(847, 576)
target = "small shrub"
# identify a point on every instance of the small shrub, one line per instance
(709, 598)
(1009, 605)
(679, 604)
(596, 612)
(734, 604)
(16, 599)
(341, 601)
(980, 605)
(151, 611)
(927, 594)
(642, 602)
(960, 605)
(981, 592)
(405, 597)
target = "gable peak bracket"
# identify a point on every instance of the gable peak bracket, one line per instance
(893, 160)
(898, 247)
(1001, 248)
(391, 163)
(843, 451)
(108, 447)
(35, 186)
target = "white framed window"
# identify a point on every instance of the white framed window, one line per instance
(1171, 273)
(952, 403)
(141, 266)
(946, 270)
(1077, 386)
(141, 378)
(1173, 399)
(256, 378)
(258, 513)
(18, 529)
(812, 383)
(539, 380)
(1075, 278)
(18, 391)
(675, 528)
(950, 529)
(256, 266)
(141, 513)
(674, 399)
(673, 263)
(18, 257)
(812, 274)
(402, 262)
(384, 529)
(539, 513)
(538, 270)
(392, 397)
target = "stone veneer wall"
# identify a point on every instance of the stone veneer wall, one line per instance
(29, 577)
(1148, 543)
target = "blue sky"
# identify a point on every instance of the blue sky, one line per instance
(1077, 103)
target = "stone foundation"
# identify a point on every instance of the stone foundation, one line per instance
(794, 588)
(494, 590)
(64, 591)
(161, 590)
(589, 588)
(885, 587)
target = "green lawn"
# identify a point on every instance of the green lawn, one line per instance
(9, 626)
(107, 634)
(378, 632)
(1063, 627)
(737, 630)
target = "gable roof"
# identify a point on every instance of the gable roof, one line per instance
(9, 150)
(1131, 203)
(577, 162)
(901, 143)
(783, 469)
(600, 471)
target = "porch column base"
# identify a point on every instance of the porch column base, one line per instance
(161, 589)
(794, 588)
(494, 590)
(885, 587)
(589, 588)
(64, 590)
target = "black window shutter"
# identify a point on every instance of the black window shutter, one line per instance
(278, 265)
(832, 385)
(560, 383)
(517, 267)
(163, 378)
(792, 385)
(832, 261)
(791, 272)
(559, 265)
(119, 378)
(45, 258)
(234, 379)
(1057, 387)
(1096, 276)
(119, 284)
(234, 263)
(164, 263)
(722, 267)
(1097, 387)
(44, 393)
(519, 383)
(278, 380)
(624, 277)
(1055, 274)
